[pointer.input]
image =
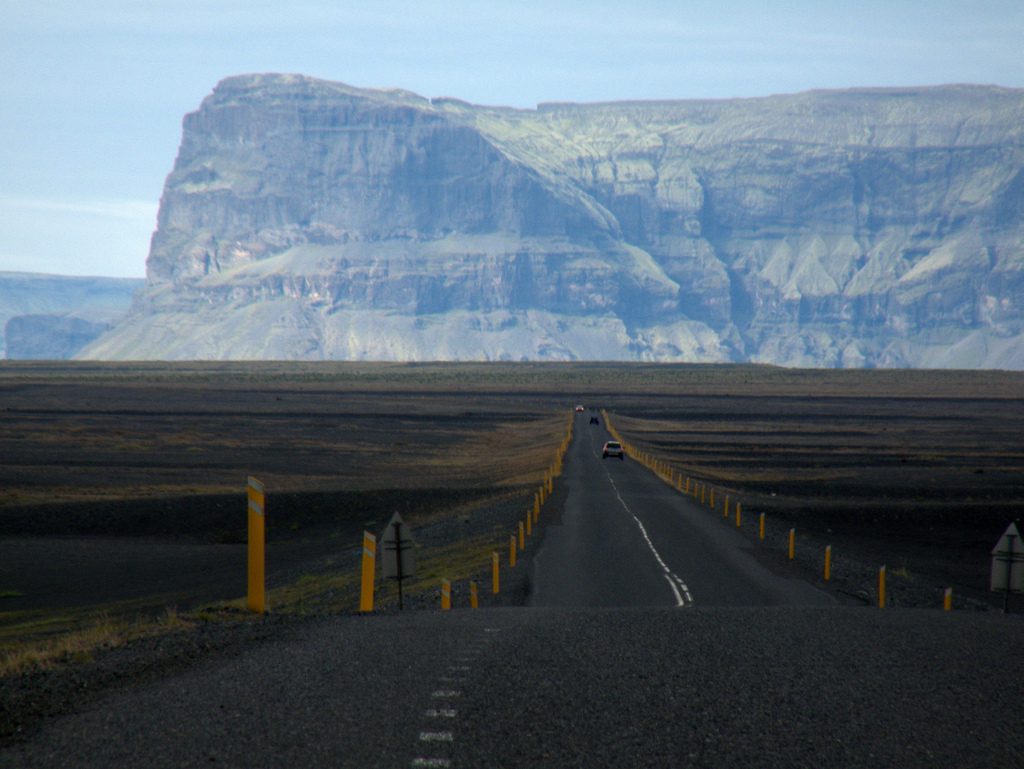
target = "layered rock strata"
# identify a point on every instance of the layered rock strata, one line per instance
(307, 219)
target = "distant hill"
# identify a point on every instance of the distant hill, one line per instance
(54, 316)
(308, 219)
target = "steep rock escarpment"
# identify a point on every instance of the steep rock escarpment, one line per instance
(308, 219)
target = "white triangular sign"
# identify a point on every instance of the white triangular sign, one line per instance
(396, 546)
(1010, 539)
(1008, 562)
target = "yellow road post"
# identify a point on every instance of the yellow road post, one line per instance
(725, 508)
(947, 599)
(739, 514)
(792, 544)
(522, 536)
(256, 601)
(536, 507)
(703, 495)
(446, 595)
(529, 524)
(369, 572)
(474, 601)
(711, 502)
(881, 588)
(760, 527)
(828, 562)
(495, 574)
(512, 551)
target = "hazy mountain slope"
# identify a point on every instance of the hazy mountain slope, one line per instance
(54, 316)
(315, 220)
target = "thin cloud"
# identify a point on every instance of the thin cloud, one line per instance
(132, 210)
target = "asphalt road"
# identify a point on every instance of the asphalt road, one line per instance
(626, 539)
(607, 668)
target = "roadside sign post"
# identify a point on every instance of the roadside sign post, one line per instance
(399, 561)
(256, 596)
(368, 572)
(1008, 565)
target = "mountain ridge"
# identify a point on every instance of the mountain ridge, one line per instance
(871, 227)
(54, 316)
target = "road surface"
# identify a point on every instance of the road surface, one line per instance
(627, 539)
(653, 639)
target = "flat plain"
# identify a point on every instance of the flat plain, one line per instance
(122, 485)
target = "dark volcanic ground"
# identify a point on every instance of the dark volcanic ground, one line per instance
(125, 483)
(123, 489)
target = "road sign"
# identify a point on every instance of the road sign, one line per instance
(1008, 562)
(396, 544)
(399, 561)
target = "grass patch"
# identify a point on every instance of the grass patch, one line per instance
(80, 646)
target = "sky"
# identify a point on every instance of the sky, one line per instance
(92, 93)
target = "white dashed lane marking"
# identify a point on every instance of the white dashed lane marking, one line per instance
(437, 737)
(675, 582)
(442, 741)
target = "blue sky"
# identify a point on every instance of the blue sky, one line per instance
(92, 93)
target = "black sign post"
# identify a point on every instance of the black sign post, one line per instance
(399, 561)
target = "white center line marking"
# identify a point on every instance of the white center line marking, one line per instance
(442, 694)
(430, 762)
(679, 588)
(441, 713)
(436, 737)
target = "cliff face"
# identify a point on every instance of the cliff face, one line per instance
(307, 219)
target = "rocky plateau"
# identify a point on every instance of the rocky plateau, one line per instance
(306, 219)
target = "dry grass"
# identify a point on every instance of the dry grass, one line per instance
(80, 646)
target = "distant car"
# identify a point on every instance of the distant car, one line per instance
(613, 449)
(579, 409)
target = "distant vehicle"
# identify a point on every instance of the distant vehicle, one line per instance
(613, 449)
(595, 421)
(579, 409)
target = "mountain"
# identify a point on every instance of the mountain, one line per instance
(55, 316)
(308, 219)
